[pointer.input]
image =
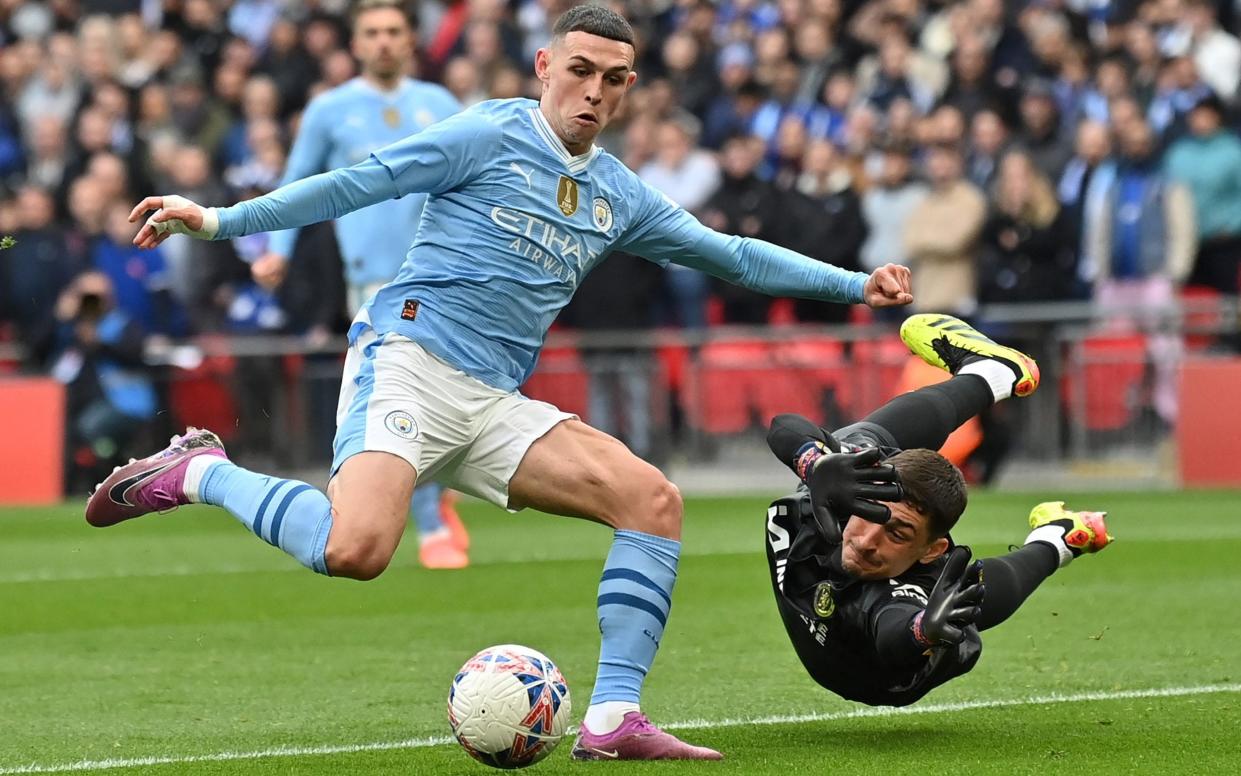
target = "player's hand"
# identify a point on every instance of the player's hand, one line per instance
(173, 215)
(954, 604)
(269, 270)
(888, 286)
(846, 484)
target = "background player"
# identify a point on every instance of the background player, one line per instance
(522, 205)
(889, 609)
(341, 127)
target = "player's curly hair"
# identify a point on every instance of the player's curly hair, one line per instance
(595, 20)
(933, 486)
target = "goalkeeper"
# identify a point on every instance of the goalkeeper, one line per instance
(879, 603)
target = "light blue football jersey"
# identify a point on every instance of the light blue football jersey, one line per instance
(513, 224)
(340, 128)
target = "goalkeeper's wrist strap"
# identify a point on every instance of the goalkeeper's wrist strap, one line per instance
(916, 628)
(807, 456)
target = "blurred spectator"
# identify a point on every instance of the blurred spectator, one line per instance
(1026, 254)
(1208, 161)
(1143, 52)
(941, 236)
(34, 272)
(897, 71)
(1177, 91)
(1041, 130)
(690, 74)
(49, 154)
(200, 119)
(53, 91)
(733, 110)
(288, 64)
(988, 143)
(824, 221)
(1087, 177)
(99, 358)
(688, 176)
(1216, 53)
(201, 270)
(139, 278)
(260, 102)
(1144, 239)
(461, 77)
(819, 56)
(746, 205)
(887, 206)
(971, 87)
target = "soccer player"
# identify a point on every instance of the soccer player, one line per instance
(521, 205)
(341, 127)
(888, 608)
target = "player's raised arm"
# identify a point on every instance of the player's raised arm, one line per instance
(664, 232)
(435, 160)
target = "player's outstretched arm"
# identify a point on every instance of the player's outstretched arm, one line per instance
(304, 202)
(665, 232)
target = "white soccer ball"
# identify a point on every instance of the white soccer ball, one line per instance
(509, 706)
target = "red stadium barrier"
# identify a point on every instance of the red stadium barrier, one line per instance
(1112, 369)
(32, 439)
(1208, 430)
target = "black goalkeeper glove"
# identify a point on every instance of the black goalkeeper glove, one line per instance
(841, 484)
(955, 603)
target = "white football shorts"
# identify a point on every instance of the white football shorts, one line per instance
(398, 398)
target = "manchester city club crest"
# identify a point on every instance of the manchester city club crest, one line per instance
(402, 424)
(602, 213)
(392, 117)
(824, 604)
(566, 195)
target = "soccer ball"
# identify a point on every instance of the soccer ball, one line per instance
(509, 706)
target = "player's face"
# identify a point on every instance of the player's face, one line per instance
(873, 551)
(584, 77)
(383, 42)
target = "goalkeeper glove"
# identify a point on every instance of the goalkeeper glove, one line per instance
(954, 604)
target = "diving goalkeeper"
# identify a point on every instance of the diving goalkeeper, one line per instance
(879, 603)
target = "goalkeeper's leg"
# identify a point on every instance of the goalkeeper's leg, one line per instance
(984, 372)
(1058, 537)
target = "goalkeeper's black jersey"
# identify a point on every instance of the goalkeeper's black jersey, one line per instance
(831, 617)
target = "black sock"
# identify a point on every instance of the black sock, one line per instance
(925, 417)
(1010, 579)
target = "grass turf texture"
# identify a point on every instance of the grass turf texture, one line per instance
(183, 636)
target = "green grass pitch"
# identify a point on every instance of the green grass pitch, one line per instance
(183, 645)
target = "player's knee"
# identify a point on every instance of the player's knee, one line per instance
(659, 508)
(358, 557)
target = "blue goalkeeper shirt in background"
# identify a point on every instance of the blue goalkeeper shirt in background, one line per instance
(341, 127)
(513, 224)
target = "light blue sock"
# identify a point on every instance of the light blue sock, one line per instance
(287, 514)
(426, 507)
(635, 594)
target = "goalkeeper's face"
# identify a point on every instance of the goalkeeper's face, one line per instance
(383, 42)
(874, 551)
(585, 77)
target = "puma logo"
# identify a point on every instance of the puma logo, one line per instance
(529, 176)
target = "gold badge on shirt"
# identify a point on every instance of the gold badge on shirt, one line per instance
(392, 117)
(566, 195)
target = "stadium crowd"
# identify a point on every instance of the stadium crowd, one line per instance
(1018, 152)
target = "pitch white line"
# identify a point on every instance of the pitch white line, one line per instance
(779, 719)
